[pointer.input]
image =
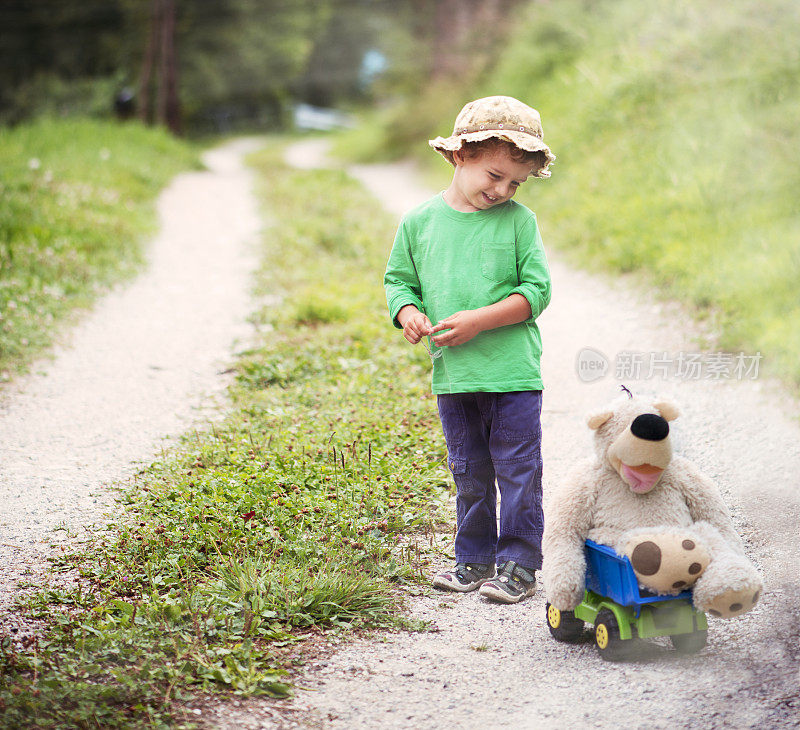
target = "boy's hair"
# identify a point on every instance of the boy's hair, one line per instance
(537, 159)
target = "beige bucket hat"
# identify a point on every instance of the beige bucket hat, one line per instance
(497, 116)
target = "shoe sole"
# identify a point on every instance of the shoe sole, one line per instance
(451, 585)
(499, 595)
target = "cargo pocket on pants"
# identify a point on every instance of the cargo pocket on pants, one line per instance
(457, 466)
(466, 484)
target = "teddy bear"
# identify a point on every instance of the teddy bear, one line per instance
(654, 507)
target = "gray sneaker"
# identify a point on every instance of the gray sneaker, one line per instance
(464, 577)
(512, 584)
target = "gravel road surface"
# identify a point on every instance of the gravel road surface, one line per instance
(491, 666)
(141, 366)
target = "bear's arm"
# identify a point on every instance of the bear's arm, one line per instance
(568, 519)
(705, 501)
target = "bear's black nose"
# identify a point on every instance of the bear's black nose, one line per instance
(650, 427)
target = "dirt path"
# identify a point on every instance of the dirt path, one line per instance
(136, 369)
(492, 666)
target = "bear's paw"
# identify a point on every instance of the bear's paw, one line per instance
(733, 603)
(564, 594)
(666, 563)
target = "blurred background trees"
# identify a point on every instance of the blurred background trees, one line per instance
(221, 65)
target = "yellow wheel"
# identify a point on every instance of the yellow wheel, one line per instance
(563, 625)
(601, 636)
(610, 646)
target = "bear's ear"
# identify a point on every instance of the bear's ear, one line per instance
(667, 408)
(597, 419)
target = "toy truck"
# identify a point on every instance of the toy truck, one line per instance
(621, 611)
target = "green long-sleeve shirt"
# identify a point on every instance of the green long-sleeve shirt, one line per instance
(444, 261)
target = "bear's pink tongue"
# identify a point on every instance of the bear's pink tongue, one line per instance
(641, 479)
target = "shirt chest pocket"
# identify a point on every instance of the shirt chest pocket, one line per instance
(498, 261)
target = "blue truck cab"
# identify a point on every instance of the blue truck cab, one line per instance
(620, 611)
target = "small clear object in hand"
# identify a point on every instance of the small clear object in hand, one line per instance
(433, 353)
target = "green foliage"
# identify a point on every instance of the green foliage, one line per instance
(331, 72)
(75, 202)
(241, 63)
(676, 130)
(54, 54)
(47, 95)
(398, 130)
(238, 58)
(301, 512)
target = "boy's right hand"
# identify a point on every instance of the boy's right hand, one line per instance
(415, 324)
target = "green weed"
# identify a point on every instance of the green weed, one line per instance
(318, 309)
(302, 512)
(75, 203)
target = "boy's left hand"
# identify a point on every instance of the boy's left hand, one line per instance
(461, 326)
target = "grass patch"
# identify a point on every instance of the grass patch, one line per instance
(76, 200)
(302, 512)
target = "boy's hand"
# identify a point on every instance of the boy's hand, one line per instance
(462, 326)
(415, 324)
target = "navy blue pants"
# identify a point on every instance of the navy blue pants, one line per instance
(495, 439)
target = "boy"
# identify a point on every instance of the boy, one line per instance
(471, 260)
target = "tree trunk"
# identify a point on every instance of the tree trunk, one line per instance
(168, 103)
(145, 78)
(160, 54)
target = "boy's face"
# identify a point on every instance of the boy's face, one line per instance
(486, 180)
